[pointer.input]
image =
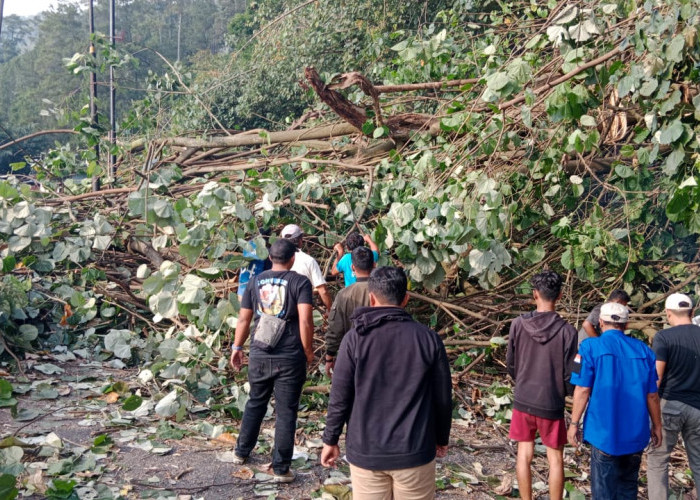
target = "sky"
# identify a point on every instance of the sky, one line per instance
(26, 7)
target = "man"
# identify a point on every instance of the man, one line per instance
(678, 366)
(343, 261)
(616, 376)
(345, 303)
(541, 350)
(282, 369)
(255, 266)
(306, 265)
(590, 327)
(392, 387)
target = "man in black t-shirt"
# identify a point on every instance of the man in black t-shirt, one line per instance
(678, 365)
(285, 294)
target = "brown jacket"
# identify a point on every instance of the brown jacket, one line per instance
(347, 300)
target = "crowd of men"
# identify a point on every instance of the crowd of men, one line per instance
(392, 390)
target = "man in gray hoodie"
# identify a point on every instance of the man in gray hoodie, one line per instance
(541, 351)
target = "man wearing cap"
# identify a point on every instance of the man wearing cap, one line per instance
(616, 376)
(678, 365)
(306, 265)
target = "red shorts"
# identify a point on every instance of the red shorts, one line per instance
(523, 427)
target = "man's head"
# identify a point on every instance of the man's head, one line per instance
(613, 316)
(362, 261)
(679, 309)
(293, 233)
(387, 287)
(282, 253)
(546, 286)
(619, 296)
(353, 241)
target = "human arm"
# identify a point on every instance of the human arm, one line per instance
(306, 330)
(372, 245)
(570, 351)
(581, 397)
(325, 296)
(339, 251)
(245, 317)
(442, 397)
(510, 351)
(654, 408)
(660, 370)
(342, 392)
(590, 330)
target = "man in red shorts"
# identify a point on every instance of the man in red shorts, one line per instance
(541, 352)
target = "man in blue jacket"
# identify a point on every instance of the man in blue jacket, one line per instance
(392, 387)
(616, 376)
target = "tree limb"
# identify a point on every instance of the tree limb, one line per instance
(36, 134)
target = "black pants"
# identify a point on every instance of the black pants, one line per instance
(285, 378)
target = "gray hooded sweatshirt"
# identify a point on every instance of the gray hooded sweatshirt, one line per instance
(541, 351)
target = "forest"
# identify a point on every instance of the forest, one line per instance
(477, 141)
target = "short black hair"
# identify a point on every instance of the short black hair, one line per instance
(282, 251)
(548, 284)
(388, 284)
(354, 240)
(294, 241)
(619, 296)
(362, 259)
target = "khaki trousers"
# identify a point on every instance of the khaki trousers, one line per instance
(416, 483)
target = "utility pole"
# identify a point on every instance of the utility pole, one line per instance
(93, 89)
(112, 111)
(2, 6)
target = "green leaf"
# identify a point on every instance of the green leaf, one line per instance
(8, 491)
(8, 264)
(671, 132)
(588, 121)
(5, 389)
(118, 342)
(648, 87)
(674, 51)
(497, 81)
(534, 253)
(132, 402)
(673, 161)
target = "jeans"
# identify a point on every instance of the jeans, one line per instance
(614, 477)
(677, 418)
(284, 377)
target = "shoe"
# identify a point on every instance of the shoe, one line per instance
(287, 477)
(239, 460)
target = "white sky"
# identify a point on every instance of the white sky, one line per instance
(26, 7)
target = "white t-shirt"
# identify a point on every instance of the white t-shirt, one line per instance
(306, 265)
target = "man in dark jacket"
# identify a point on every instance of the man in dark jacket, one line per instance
(348, 299)
(392, 387)
(541, 351)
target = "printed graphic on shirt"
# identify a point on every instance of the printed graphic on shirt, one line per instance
(577, 364)
(272, 293)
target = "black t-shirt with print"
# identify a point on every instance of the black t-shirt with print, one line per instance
(278, 293)
(679, 347)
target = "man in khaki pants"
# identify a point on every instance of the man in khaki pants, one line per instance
(392, 387)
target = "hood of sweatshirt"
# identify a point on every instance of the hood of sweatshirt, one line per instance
(542, 326)
(366, 318)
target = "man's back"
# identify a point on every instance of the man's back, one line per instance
(621, 372)
(345, 303)
(395, 372)
(679, 347)
(307, 266)
(541, 350)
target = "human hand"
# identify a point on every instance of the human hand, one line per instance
(441, 451)
(367, 238)
(329, 455)
(309, 357)
(656, 436)
(338, 248)
(329, 368)
(236, 360)
(573, 435)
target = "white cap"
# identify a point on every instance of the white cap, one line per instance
(291, 231)
(612, 312)
(678, 302)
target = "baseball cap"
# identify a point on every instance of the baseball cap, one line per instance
(678, 302)
(612, 312)
(291, 231)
